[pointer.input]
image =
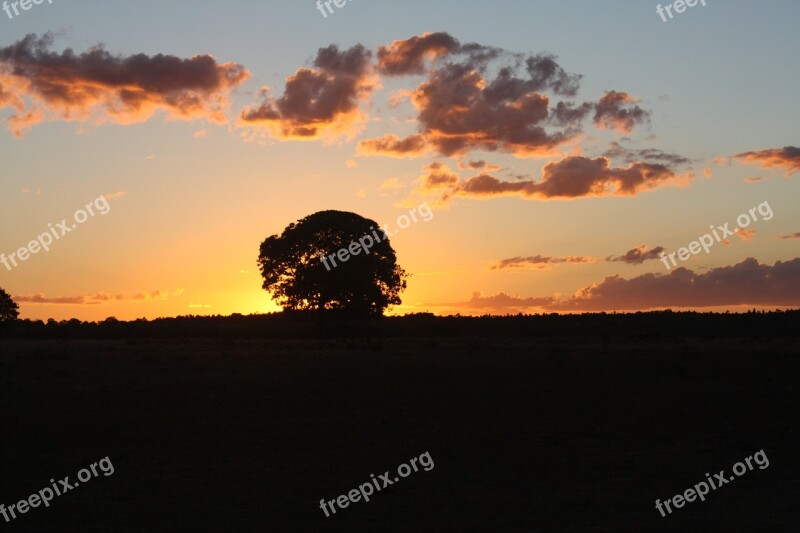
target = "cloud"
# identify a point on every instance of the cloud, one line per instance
(94, 299)
(569, 178)
(393, 146)
(438, 176)
(638, 255)
(539, 262)
(754, 180)
(649, 155)
(616, 111)
(746, 283)
(115, 195)
(408, 56)
(465, 105)
(84, 299)
(745, 234)
(97, 86)
(390, 185)
(792, 236)
(477, 165)
(498, 303)
(320, 100)
(786, 159)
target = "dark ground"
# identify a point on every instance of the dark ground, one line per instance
(527, 433)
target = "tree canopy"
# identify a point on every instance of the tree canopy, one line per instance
(364, 283)
(9, 310)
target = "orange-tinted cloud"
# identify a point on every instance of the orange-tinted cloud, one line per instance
(745, 234)
(317, 101)
(539, 262)
(754, 180)
(787, 158)
(94, 299)
(98, 86)
(393, 146)
(408, 56)
(617, 111)
(638, 255)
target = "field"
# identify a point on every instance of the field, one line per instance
(526, 433)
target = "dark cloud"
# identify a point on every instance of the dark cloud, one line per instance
(567, 114)
(546, 74)
(459, 113)
(617, 111)
(746, 283)
(579, 176)
(649, 155)
(638, 255)
(571, 177)
(787, 158)
(792, 236)
(470, 103)
(479, 164)
(319, 100)
(393, 146)
(96, 85)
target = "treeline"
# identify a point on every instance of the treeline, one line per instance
(656, 324)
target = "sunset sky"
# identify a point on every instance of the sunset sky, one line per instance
(553, 140)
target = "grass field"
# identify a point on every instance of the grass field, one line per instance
(526, 434)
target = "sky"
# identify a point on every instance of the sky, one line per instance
(562, 148)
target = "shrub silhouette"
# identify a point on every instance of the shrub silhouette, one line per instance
(363, 285)
(9, 310)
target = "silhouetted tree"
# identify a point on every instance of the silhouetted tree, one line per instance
(364, 284)
(9, 310)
